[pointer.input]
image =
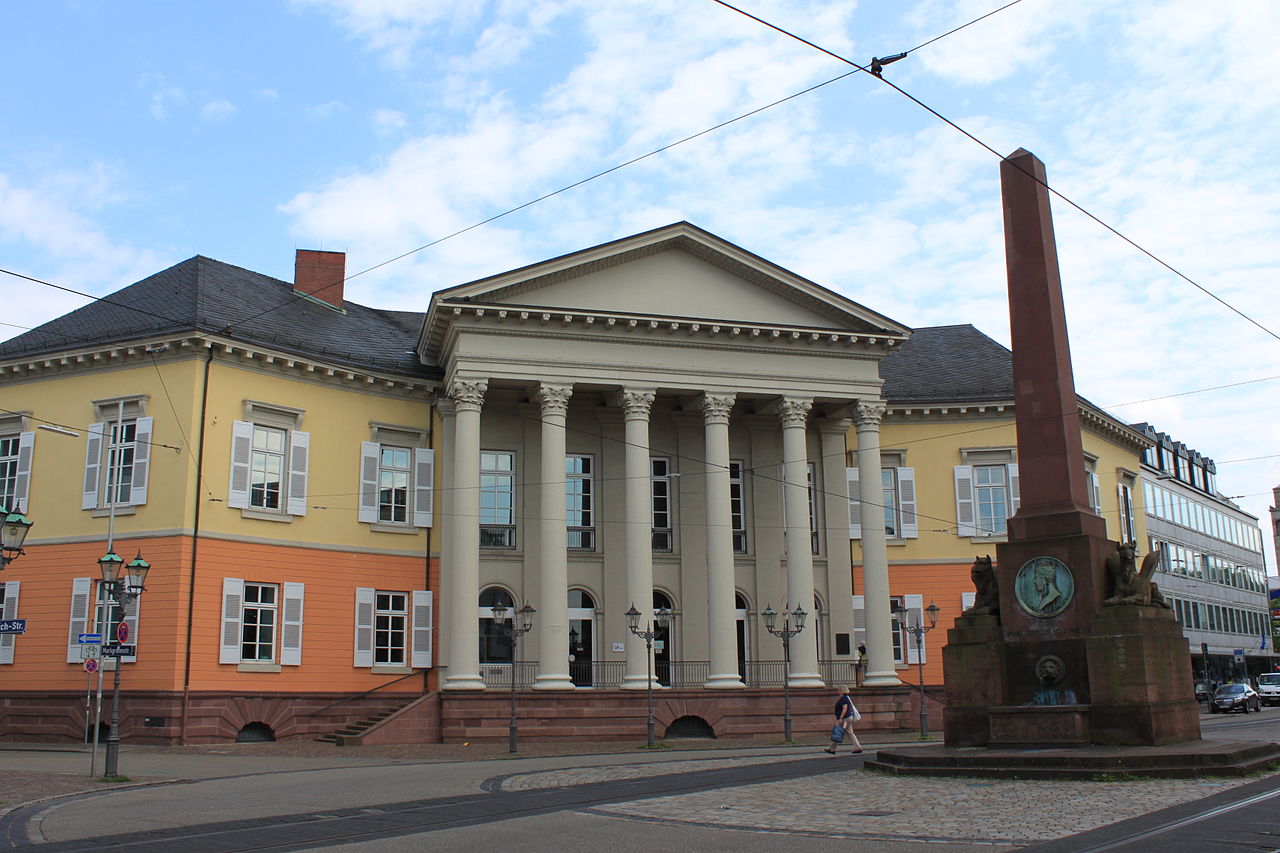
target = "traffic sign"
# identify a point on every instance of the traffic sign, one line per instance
(90, 652)
(119, 650)
(89, 638)
(122, 633)
(91, 665)
(13, 626)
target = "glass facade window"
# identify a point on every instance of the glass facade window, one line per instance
(580, 502)
(393, 484)
(266, 467)
(258, 623)
(497, 500)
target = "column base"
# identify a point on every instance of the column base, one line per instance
(881, 679)
(639, 682)
(805, 679)
(554, 682)
(463, 682)
(728, 681)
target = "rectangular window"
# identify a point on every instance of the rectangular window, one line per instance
(497, 500)
(107, 615)
(393, 484)
(8, 470)
(121, 451)
(898, 632)
(660, 502)
(258, 623)
(889, 497)
(813, 507)
(1128, 531)
(738, 507)
(580, 502)
(390, 623)
(266, 467)
(991, 499)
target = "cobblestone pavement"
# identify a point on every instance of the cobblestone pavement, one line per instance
(587, 775)
(868, 805)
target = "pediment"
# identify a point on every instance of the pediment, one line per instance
(678, 272)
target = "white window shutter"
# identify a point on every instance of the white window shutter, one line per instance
(368, 509)
(859, 622)
(1015, 493)
(232, 613)
(92, 469)
(141, 461)
(22, 477)
(966, 520)
(424, 471)
(238, 488)
(364, 626)
(291, 626)
(81, 608)
(967, 600)
(914, 616)
(907, 503)
(855, 503)
(423, 615)
(131, 608)
(10, 611)
(299, 456)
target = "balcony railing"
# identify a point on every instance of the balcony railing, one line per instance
(678, 674)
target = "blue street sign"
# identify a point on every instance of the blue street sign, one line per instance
(13, 626)
(91, 639)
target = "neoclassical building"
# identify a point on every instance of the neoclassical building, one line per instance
(659, 420)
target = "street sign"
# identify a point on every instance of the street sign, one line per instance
(122, 633)
(119, 650)
(13, 626)
(91, 665)
(89, 638)
(1239, 655)
(90, 652)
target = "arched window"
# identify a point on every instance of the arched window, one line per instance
(495, 646)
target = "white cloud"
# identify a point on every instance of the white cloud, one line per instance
(327, 110)
(388, 121)
(218, 109)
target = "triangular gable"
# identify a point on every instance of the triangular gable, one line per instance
(678, 271)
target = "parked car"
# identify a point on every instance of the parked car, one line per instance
(1234, 697)
(1269, 688)
(1202, 691)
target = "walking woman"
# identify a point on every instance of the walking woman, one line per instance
(846, 716)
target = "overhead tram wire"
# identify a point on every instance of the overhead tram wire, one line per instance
(1002, 158)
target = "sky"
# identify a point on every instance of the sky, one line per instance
(138, 133)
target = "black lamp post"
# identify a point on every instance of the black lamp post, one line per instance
(647, 634)
(514, 632)
(786, 632)
(13, 532)
(918, 631)
(121, 591)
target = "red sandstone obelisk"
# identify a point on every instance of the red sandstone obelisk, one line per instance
(1054, 491)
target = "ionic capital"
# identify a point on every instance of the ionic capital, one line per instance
(715, 408)
(554, 399)
(868, 415)
(468, 394)
(794, 411)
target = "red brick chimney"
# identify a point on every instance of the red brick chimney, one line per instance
(320, 274)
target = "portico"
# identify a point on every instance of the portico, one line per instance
(680, 431)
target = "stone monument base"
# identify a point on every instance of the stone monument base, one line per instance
(1044, 726)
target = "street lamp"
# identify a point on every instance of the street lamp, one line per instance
(13, 532)
(786, 632)
(121, 591)
(514, 632)
(661, 617)
(918, 631)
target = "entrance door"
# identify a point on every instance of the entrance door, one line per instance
(741, 620)
(582, 615)
(662, 642)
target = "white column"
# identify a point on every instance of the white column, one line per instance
(462, 580)
(834, 433)
(445, 516)
(722, 640)
(875, 554)
(794, 415)
(636, 404)
(553, 557)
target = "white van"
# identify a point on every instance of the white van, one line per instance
(1269, 688)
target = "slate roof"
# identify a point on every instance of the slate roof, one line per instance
(948, 364)
(204, 295)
